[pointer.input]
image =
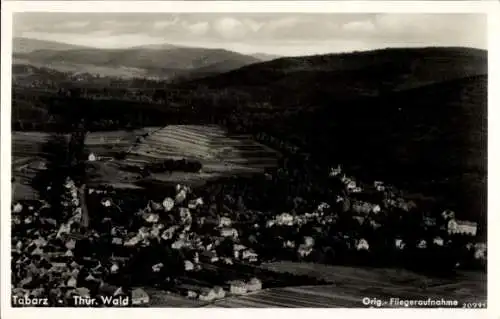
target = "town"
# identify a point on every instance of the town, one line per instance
(208, 243)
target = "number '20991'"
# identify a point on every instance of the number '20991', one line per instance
(474, 305)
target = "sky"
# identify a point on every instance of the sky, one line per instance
(282, 34)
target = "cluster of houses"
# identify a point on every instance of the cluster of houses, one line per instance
(235, 287)
(43, 250)
(373, 215)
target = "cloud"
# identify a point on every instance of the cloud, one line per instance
(284, 23)
(230, 28)
(359, 26)
(159, 25)
(72, 25)
(199, 28)
(253, 25)
(265, 32)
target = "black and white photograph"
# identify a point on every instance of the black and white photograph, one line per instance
(247, 160)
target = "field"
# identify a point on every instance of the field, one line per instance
(160, 298)
(349, 285)
(220, 154)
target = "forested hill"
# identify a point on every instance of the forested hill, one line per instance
(414, 116)
(309, 80)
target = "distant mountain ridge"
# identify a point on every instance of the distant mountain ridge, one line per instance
(265, 56)
(27, 45)
(163, 61)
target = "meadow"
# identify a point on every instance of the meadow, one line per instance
(220, 154)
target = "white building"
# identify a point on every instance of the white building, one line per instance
(284, 219)
(422, 244)
(335, 171)
(207, 294)
(139, 297)
(438, 241)
(254, 284)
(462, 227)
(219, 292)
(362, 244)
(249, 256)
(225, 222)
(188, 265)
(229, 232)
(168, 204)
(399, 243)
(238, 287)
(92, 157)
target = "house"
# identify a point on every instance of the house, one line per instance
(181, 196)
(480, 251)
(159, 266)
(308, 241)
(114, 268)
(92, 157)
(188, 265)
(375, 225)
(229, 232)
(429, 221)
(284, 219)
(377, 183)
(422, 244)
(237, 287)
(209, 256)
(193, 204)
(207, 294)
(304, 250)
(438, 241)
(362, 244)
(17, 208)
(289, 244)
(151, 218)
(249, 255)
(323, 206)
(219, 292)
(448, 214)
(357, 189)
(359, 219)
(71, 282)
(192, 294)
(361, 207)
(139, 297)
(335, 171)
(237, 249)
(178, 244)
(254, 284)
(227, 261)
(399, 244)
(82, 292)
(184, 213)
(225, 222)
(154, 206)
(462, 227)
(350, 185)
(132, 241)
(169, 232)
(168, 204)
(106, 202)
(376, 209)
